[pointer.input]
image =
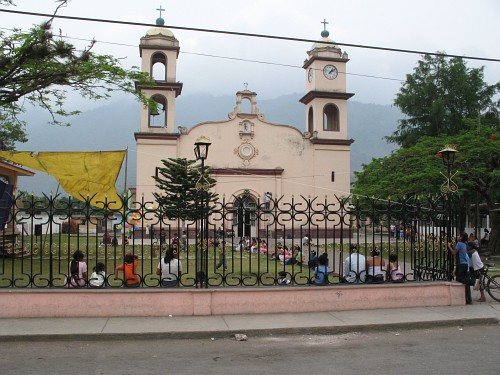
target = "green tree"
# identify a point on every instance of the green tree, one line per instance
(179, 196)
(417, 170)
(439, 95)
(38, 68)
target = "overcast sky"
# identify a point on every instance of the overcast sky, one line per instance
(460, 27)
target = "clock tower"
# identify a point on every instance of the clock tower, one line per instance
(326, 96)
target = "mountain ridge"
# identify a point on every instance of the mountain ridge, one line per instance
(112, 127)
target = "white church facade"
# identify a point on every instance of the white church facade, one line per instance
(248, 153)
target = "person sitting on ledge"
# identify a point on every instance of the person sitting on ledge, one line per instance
(354, 266)
(394, 272)
(77, 271)
(283, 279)
(375, 272)
(322, 270)
(129, 268)
(169, 268)
(98, 277)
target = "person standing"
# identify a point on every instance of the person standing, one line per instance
(478, 267)
(486, 238)
(354, 266)
(184, 241)
(222, 256)
(460, 252)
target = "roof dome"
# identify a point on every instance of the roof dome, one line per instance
(325, 42)
(159, 30)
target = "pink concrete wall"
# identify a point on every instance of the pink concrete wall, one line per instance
(224, 301)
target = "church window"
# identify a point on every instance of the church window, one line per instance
(246, 105)
(331, 118)
(158, 118)
(310, 120)
(159, 66)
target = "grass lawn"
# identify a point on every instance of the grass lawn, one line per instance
(51, 255)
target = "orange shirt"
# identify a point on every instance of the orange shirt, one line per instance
(129, 272)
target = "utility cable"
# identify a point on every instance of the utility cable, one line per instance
(227, 58)
(253, 35)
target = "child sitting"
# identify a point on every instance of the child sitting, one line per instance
(283, 279)
(98, 277)
(395, 273)
(322, 270)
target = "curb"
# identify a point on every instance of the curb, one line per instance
(259, 332)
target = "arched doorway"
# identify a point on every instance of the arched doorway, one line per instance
(245, 215)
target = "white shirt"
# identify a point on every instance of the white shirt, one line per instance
(170, 271)
(354, 264)
(476, 262)
(97, 279)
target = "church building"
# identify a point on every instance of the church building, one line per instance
(248, 154)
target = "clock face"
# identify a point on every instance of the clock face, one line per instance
(310, 75)
(330, 71)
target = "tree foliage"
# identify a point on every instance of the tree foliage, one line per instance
(39, 68)
(180, 197)
(439, 95)
(419, 169)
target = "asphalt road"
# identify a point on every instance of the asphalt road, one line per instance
(455, 350)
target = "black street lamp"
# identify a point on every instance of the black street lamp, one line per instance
(447, 188)
(202, 185)
(448, 156)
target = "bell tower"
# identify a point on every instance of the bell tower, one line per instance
(326, 96)
(157, 137)
(159, 50)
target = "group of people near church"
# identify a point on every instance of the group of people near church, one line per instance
(371, 269)
(169, 269)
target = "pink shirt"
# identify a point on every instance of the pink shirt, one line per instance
(80, 281)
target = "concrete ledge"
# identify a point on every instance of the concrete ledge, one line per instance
(31, 303)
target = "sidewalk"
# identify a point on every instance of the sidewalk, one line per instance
(250, 325)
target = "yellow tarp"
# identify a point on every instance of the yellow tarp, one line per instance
(80, 174)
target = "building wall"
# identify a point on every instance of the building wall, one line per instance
(306, 166)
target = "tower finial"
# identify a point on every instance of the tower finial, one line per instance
(160, 21)
(324, 33)
(160, 9)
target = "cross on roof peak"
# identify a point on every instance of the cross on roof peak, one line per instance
(324, 23)
(160, 9)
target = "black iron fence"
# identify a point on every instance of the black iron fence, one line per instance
(242, 242)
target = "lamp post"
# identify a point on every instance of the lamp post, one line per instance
(447, 188)
(202, 185)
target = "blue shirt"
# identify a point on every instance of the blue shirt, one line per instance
(463, 258)
(321, 273)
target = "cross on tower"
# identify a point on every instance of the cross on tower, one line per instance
(160, 9)
(324, 23)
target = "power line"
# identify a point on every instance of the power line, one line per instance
(225, 57)
(253, 35)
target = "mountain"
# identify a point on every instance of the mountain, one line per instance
(112, 127)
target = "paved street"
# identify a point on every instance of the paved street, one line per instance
(445, 350)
